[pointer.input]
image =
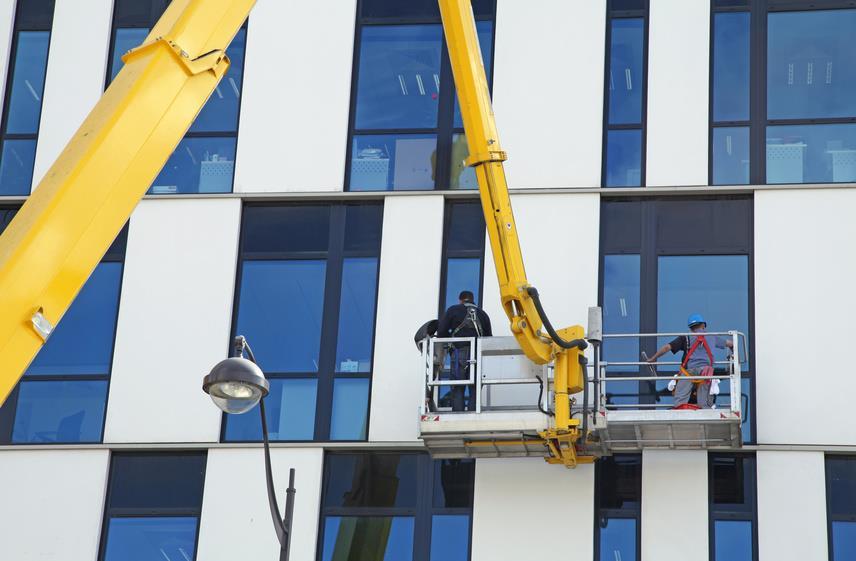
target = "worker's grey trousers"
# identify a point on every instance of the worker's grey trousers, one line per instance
(684, 389)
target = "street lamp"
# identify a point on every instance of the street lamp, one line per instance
(235, 386)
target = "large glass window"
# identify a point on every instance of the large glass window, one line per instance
(63, 394)
(624, 134)
(25, 85)
(795, 123)
(317, 266)
(841, 506)
(618, 500)
(153, 505)
(733, 508)
(662, 260)
(395, 507)
(406, 131)
(204, 161)
(463, 252)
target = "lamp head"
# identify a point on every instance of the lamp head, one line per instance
(236, 385)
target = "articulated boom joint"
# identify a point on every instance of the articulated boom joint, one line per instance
(485, 157)
(216, 61)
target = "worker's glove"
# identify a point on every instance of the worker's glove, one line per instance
(672, 384)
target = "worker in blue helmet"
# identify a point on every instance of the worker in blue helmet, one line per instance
(697, 360)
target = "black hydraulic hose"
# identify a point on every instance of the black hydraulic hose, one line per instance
(584, 365)
(575, 343)
(540, 397)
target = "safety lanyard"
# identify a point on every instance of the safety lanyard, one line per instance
(700, 340)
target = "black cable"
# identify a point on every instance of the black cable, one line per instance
(575, 343)
(540, 396)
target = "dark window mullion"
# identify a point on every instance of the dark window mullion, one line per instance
(758, 93)
(330, 324)
(445, 116)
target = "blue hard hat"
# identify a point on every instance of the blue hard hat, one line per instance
(695, 319)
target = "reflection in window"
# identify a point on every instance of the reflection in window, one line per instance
(732, 540)
(402, 162)
(368, 537)
(618, 491)
(450, 537)
(290, 410)
(140, 539)
(731, 66)
(56, 411)
(463, 252)
(731, 155)
(621, 306)
(24, 92)
(733, 506)
(811, 153)
(357, 315)
(624, 158)
(618, 539)
(350, 409)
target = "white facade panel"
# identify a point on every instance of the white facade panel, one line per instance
(678, 95)
(559, 236)
(548, 91)
(526, 509)
(296, 97)
(408, 293)
(174, 320)
(7, 26)
(802, 287)
(236, 521)
(77, 67)
(51, 507)
(674, 521)
(791, 506)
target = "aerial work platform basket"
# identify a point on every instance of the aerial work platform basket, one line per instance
(627, 406)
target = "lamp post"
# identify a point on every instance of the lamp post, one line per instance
(235, 386)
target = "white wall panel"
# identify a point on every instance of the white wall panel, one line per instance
(408, 293)
(559, 236)
(525, 508)
(51, 506)
(236, 521)
(77, 66)
(296, 96)
(7, 25)
(674, 505)
(174, 320)
(548, 90)
(791, 506)
(803, 283)
(678, 96)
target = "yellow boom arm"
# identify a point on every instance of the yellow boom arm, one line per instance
(60, 234)
(519, 299)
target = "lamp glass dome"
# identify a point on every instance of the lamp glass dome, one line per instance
(235, 385)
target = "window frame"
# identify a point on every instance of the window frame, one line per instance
(448, 254)
(110, 512)
(445, 128)
(422, 514)
(18, 27)
(723, 514)
(189, 134)
(830, 517)
(613, 14)
(634, 513)
(649, 253)
(758, 122)
(8, 409)
(334, 257)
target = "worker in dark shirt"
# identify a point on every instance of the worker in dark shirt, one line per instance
(464, 319)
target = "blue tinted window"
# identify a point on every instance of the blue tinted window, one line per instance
(54, 411)
(621, 310)
(731, 155)
(151, 481)
(198, 165)
(398, 162)
(462, 274)
(618, 539)
(363, 225)
(356, 315)
(399, 77)
(268, 290)
(453, 483)
(732, 540)
(375, 538)
(624, 158)
(220, 113)
(810, 70)
(146, 539)
(485, 35)
(285, 229)
(371, 480)
(350, 409)
(83, 341)
(841, 485)
(811, 153)
(466, 227)
(28, 82)
(16, 166)
(450, 537)
(290, 409)
(843, 540)
(126, 39)
(731, 67)
(626, 84)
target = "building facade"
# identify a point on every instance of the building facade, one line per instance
(689, 155)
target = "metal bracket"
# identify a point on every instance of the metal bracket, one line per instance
(485, 157)
(216, 61)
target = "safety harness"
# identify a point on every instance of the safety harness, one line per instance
(700, 340)
(472, 320)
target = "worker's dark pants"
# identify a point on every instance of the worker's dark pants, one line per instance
(459, 359)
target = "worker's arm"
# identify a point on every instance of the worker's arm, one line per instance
(660, 352)
(674, 346)
(60, 234)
